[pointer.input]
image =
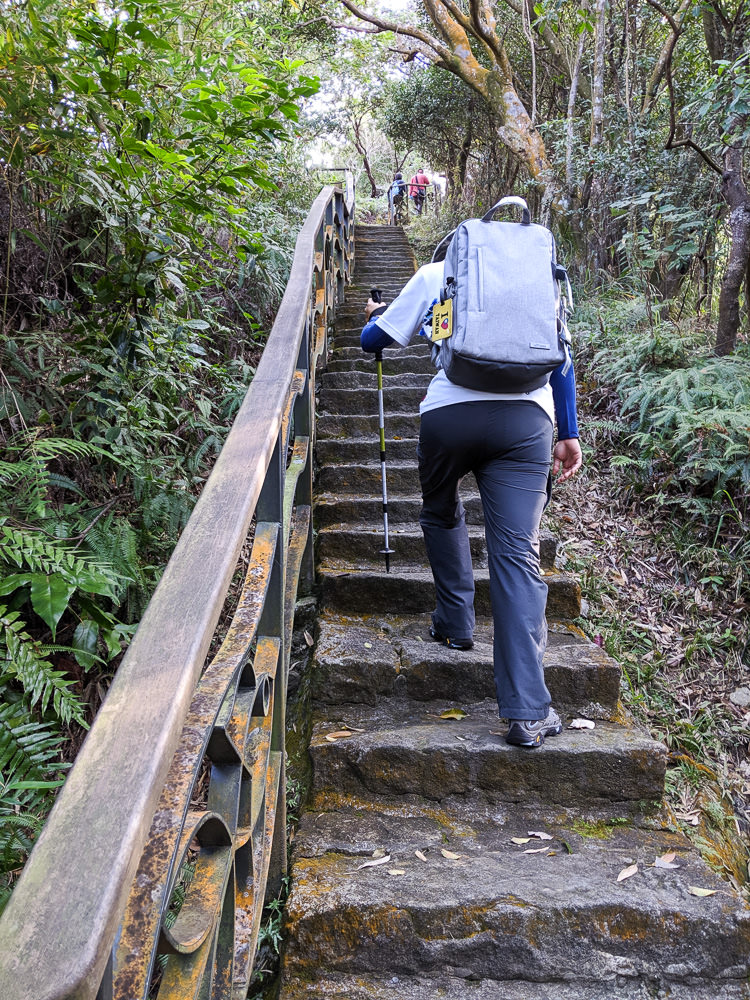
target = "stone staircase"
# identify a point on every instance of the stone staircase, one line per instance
(418, 872)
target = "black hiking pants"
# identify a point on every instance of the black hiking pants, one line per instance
(507, 445)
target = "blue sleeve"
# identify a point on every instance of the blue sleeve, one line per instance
(564, 395)
(374, 338)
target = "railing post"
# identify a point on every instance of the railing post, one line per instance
(304, 424)
(271, 508)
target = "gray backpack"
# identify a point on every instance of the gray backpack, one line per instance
(508, 322)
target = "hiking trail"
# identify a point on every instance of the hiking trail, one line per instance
(487, 909)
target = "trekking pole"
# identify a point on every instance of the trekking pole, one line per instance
(387, 551)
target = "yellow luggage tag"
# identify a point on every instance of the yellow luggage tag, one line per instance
(442, 320)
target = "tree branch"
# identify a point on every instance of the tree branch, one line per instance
(676, 24)
(556, 49)
(673, 143)
(382, 24)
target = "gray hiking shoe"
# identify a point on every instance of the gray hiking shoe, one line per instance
(531, 734)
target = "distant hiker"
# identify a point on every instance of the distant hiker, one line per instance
(418, 189)
(397, 188)
(505, 439)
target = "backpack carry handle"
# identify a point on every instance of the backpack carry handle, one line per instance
(511, 199)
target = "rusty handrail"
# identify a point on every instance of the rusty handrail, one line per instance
(89, 915)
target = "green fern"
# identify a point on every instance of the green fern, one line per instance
(30, 771)
(25, 660)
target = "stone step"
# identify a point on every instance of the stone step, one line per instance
(402, 749)
(461, 984)
(369, 380)
(415, 363)
(362, 542)
(337, 509)
(484, 924)
(364, 450)
(363, 661)
(399, 399)
(350, 589)
(402, 477)
(353, 425)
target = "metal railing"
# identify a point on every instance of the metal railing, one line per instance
(90, 915)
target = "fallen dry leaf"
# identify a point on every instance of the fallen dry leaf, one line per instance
(453, 713)
(520, 840)
(540, 835)
(373, 864)
(340, 734)
(309, 639)
(536, 850)
(379, 852)
(666, 861)
(449, 854)
(695, 890)
(368, 645)
(421, 856)
(627, 872)
(396, 871)
(582, 724)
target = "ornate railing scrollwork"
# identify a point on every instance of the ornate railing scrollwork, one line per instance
(184, 767)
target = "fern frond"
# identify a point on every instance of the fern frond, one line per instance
(25, 659)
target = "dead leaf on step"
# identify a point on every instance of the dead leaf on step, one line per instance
(379, 852)
(520, 840)
(373, 864)
(582, 724)
(396, 871)
(368, 645)
(666, 861)
(450, 855)
(340, 734)
(536, 850)
(453, 713)
(627, 872)
(695, 890)
(309, 639)
(352, 729)
(421, 856)
(540, 835)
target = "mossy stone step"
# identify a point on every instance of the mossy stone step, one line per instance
(402, 475)
(500, 915)
(461, 984)
(360, 542)
(351, 589)
(364, 661)
(351, 425)
(369, 380)
(338, 509)
(404, 749)
(339, 452)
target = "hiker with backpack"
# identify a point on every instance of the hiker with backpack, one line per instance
(495, 315)
(418, 189)
(396, 196)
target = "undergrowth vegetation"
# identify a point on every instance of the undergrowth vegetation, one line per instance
(657, 529)
(145, 245)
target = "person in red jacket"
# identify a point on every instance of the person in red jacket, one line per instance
(418, 188)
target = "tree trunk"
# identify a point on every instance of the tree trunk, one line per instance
(737, 197)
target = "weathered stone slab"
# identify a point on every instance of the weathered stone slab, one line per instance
(333, 508)
(365, 401)
(447, 985)
(406, 749)
(498, 914)
(361, 542)
(352, 589)
(357, 663)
